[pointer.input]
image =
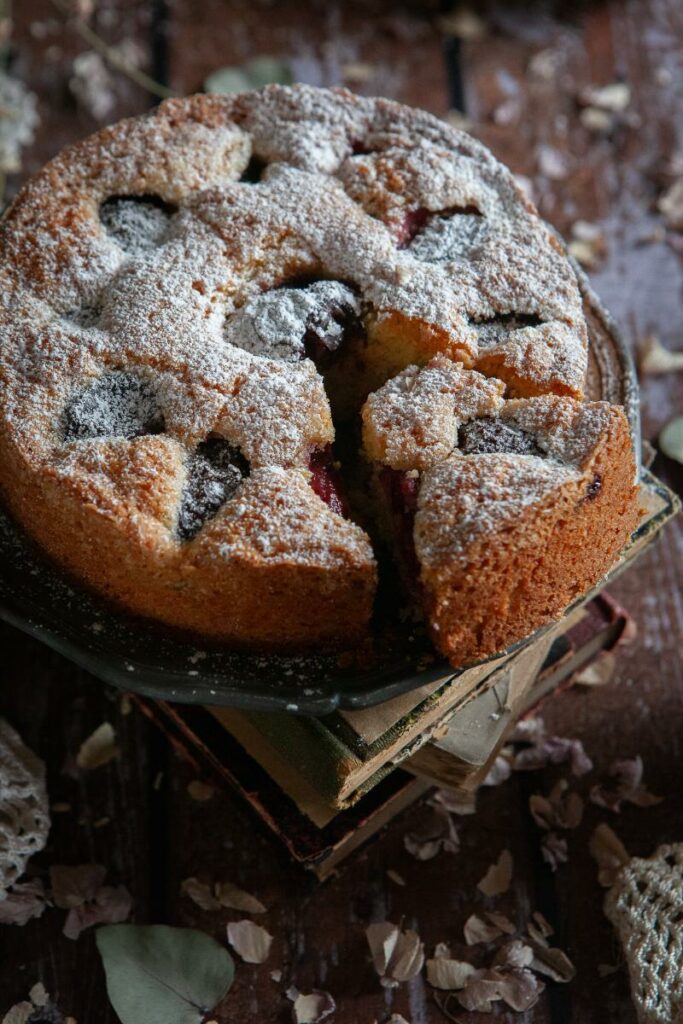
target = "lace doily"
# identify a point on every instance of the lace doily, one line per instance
(645, 905)
(24, 816)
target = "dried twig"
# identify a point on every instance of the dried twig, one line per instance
(112, 57)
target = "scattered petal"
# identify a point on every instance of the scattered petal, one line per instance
(514, 954)
(596, 120)
(613, 98)
(18, 122)
(477, 930)
(448, 974)
(609, 852)
(72, 886)
(670, 206)
(456, 119)
(24, 901)
(253, 75)
(99, 748)
(19, 1013)
(539, 929)
(357, 72)
(554, 849)
(231, 896)
(500, 771)
(463, 23)
(395, 877)
(112, 905)
(311, 1007)
(604, 970)
(553, 962)
(520, 989)
(200, 893)
(276, 976)
(397, 955)
(437, 834)
(560, 809)
(501, 921)
(551, 162)
(498, 877)
(454, 801)
(598, 672)
(481, 991)
(38, 994)
(629, 787)
(654, 358)
(249, 941)
(671, 439)
(553, 750)
(200, 791)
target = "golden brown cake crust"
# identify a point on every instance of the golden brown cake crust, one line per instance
(161, 412)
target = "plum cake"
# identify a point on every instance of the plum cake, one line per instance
(256, 348)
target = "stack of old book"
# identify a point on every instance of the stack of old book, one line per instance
(325, 785)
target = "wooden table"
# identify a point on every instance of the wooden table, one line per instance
(135, 815)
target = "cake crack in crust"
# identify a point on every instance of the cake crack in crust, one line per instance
(190, 302)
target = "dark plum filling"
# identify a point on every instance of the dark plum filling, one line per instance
(215, 471)
(326, 481)
(401, 492)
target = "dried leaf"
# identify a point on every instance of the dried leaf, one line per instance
(231, 896)
(397, 955)
(498, 877)
(161, 975)
(671, 439)
(447, 974)
(654, 358)
(24, 901)
(312, 1007)
(477, 930)
(251, 942)
(200, 791)
(100, 748)
(629, 787)
(253, 75)
(609, 852)
(74, 885)
(539, 929)
(200, 893)
(553, 962)
(670, 205)
(598, 672)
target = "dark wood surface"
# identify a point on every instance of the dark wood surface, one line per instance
(135, 815)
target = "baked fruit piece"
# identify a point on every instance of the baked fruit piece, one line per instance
(185, 300)
(515, 508)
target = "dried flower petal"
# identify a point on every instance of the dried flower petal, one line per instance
(229, 895)
(99, 748)
(463, 23)
(501, 921)
(500, 771)
(200, 893)
(498, 877)
(671, 206)
(481, 991)
(654, 358)
(598, 672)
(560, 809)
(477, 930)
(629, 787)
(539, 929)
(609, 852)
(514, 954)
(554, 850)
(249, 941)
(24, 901)
(200, 791)
(74, 885)
(437, 834)
(395, 877)
(18, 122)
(312, 1007)
(671, 439)
(520, 989)
(454, 801)
(448, 974)
(19, 1013)
(553, 962)
(112, 905)
(397, 955)
(553, 750)
(613, 98)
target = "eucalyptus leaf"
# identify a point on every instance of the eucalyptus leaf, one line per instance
(256, 73)
(161, 975)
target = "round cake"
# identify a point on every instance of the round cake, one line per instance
(255, 347)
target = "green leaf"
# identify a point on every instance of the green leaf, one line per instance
(161, 975)
(256, 73)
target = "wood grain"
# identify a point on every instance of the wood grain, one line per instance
(155, 835)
